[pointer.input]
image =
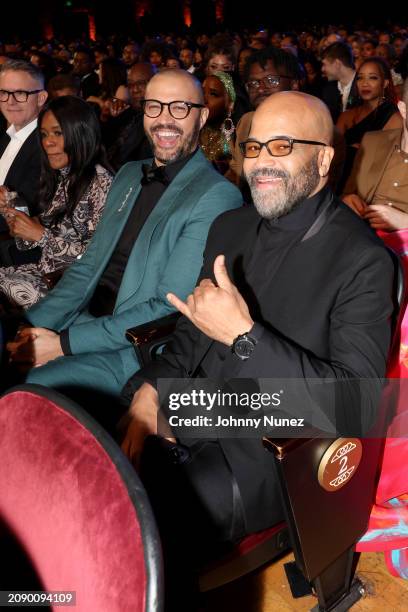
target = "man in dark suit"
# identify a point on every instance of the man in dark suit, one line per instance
(84, 68)
(124, 136)
(302, 291)
(22, 96)
(340, 93)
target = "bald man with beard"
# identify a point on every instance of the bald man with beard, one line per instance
(297, 287)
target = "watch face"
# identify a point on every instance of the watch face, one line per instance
(244, 347)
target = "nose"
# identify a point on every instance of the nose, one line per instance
(48, 142)
(165, 114)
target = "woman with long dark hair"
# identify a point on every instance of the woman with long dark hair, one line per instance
(75, 180)
(377, 109)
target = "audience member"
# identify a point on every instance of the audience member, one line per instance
(254, 315)
(74, 186)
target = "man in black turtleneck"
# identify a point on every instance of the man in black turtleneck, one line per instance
(297, 287)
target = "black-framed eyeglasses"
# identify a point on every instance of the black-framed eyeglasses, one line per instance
(177, 109)
(19, 96)
(277, 147)
(269, 81)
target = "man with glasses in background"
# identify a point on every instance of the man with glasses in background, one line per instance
(266, 72)
(295, 287)
(22, 96)
(127, 139)
(150, 239)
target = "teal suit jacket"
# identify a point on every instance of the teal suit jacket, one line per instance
(167, 256)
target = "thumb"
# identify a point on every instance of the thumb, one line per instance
(221, 274)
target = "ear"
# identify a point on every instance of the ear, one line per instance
(402, 107)
(42, 98)
(203, 116)
(386, 83)
(324, 160)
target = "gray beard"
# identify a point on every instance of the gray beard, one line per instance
(278, 202)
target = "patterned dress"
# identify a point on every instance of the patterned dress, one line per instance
(61, 243)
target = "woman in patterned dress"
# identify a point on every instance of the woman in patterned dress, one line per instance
(75, 180)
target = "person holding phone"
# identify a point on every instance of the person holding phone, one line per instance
(75, 181)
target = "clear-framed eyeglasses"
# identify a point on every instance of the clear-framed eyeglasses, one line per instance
(270, 81)
(19, 96)
(177, 109)
(277, 147)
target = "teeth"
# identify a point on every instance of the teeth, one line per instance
(167, 134)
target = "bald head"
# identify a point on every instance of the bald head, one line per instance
(138, 77)
(171, 126)
(295, 131)
(188, 86)
(294, 114)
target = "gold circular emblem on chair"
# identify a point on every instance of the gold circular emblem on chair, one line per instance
(339, 463)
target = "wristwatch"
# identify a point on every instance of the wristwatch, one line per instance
(243, 346)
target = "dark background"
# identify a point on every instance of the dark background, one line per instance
(27, 19)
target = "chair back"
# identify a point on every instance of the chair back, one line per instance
(75, 505)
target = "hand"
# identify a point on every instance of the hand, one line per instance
(23, 226)
(355, 203)
(386, 218)
(117, 106)
(35, 345)
(3, 197)
(140, 422)
(220, 311)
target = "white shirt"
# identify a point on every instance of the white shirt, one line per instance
(345, 91)
(17, 139)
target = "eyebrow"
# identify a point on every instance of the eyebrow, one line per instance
(53, 127)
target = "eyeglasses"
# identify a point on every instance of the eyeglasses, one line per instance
(270, 80)
(19, 95)
(177, 109)
(277, 147)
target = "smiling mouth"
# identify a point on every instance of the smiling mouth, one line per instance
(166, 138)
(264, 182)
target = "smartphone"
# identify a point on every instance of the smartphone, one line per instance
(23, 209)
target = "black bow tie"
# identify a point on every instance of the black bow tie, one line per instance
(151, 174)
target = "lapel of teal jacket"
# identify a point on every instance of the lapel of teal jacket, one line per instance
(176, 194)
(122, 196)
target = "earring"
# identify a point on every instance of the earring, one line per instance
(228, 127)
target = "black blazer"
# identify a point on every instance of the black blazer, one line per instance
(24, 173)
(125, 139)
(331, 96)
(331, 305)
(90, 85)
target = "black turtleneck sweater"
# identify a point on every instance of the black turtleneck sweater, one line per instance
(268, 248)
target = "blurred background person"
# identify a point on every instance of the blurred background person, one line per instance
(217, 136)
(377, 109)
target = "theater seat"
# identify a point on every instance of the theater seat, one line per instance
(74, 506)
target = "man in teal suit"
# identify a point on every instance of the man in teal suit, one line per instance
(150, 240)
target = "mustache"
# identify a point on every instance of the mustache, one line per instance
(273, 172)
(167, 126)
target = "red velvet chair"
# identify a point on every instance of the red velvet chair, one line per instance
(75, 506)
